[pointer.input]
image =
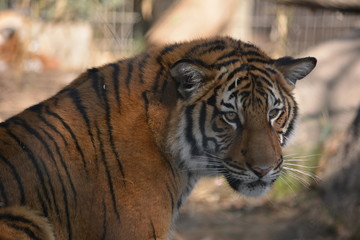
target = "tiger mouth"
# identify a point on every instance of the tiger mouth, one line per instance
(251, 189)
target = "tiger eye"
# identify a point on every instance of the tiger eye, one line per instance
(231, 116)
(274, 112)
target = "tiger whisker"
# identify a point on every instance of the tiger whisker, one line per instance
(238, 177)
(311, 175)
(208, 157)
(298, 178)
(291, 154)
(299, 165)
(297, 160)
(283, 178)
(208, 173)
(231, 179)
(301, 157)
(213, 155)
(208, 163)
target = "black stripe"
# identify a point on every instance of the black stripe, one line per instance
(281, 114)
(153, 230)
(130, 68)
(108, 174)
(35, 108)
(257, 60)
(141, 66)
(63, 163)
(273, 71)
(95, 81)
(249, 45)
(257, 82)
(220, 77)
(292, 121)
(52, 127)
(213, 49)
(263, 94)
(232, 86)
(189, 130)
(110, 127)
(248, 85)
(252, 67)
(146, 103)
(243, 67)
(234, 95)
(157, 78)
(228, 105)
(233, 53)
(17, 178)
(163, 88)
(75, 96)
(269, 83)
(35, 164)
(254, 52)
(116, 81)
(13, 218)
(33, 132)
(179, 202)
(212, 100)
(4, 198)
(207, 44)
(68, 128)
(276, 99)
(226, 63)
(170, 164)
(25, 230)
(165, 51)
(42, 203)
(67, 210)
(171, 197)
(103, 236)
(159, 60)
(202, 123)
(245, 93)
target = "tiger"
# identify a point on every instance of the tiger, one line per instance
(116, 153)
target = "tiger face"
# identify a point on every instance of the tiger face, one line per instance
(235, 118)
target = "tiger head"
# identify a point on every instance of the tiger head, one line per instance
(234, 114)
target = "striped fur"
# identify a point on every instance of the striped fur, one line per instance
(22, 223)
(115, 153)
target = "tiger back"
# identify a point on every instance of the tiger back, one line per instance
(115, 154)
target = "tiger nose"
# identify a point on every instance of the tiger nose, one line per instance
(260, 171)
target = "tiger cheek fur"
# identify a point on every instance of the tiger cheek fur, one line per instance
(115, 153)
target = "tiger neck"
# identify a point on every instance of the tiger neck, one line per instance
(161, 108)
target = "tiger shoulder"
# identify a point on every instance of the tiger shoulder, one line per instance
(115, 153)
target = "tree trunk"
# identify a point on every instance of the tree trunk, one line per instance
(341, 182)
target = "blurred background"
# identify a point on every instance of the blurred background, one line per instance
(44, 44)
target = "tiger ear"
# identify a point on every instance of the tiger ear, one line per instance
(295, 69)
(188, 75)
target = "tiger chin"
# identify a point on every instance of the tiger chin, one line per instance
(115, 153)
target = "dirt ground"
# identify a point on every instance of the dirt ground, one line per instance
(215, 216)
(213, 211)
